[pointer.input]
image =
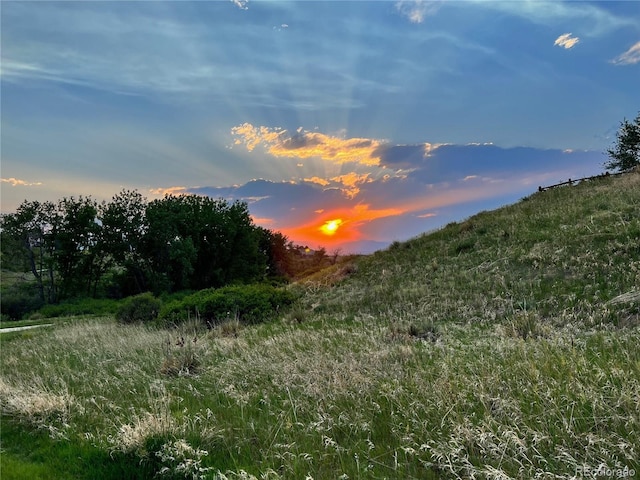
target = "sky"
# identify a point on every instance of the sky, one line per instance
(343, 125)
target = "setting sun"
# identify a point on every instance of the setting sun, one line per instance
(331, 226)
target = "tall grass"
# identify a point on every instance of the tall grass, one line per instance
(501, 347)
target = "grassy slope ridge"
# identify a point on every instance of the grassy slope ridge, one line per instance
(505, 346)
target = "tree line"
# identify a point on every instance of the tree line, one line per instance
(77, 247)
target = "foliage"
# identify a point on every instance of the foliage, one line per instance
(142, 308)
(80, 306)
(76, 247)
(196, 242)
(124, 224)
(246, 303)
(28, 234)
(77, 262)
(289, 261)
(18, 301)
(625, 153)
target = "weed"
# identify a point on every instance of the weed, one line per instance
(181, 357)
(181, 460)
(525, 325)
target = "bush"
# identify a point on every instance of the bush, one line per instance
(140, 308)
(246, 303)
(18, 302)
(82, 306)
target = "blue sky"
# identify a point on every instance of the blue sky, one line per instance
(381, 119)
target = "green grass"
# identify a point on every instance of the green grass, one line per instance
(35, 455)
(504, 346)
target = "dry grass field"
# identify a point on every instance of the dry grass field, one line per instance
(504, 346)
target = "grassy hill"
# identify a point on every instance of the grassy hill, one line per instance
(505, 346)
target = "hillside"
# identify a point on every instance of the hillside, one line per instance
(505, 346)
(558, 257)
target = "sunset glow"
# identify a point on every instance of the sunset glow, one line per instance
(331, 227)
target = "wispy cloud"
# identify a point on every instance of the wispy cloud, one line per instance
(629, 57)
(16, 69)
(16, 182)
(592, 16)
(417, 10)
(566, 40)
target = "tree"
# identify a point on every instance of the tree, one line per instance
(625, 153)
(124, 225)
(30, 227)
(195, 242)
(76, 236)
(276, 247)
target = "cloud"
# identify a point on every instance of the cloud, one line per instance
(318, 180)
(405, 156)
(162, 191)
(439, 185)
(630, 57)
(16, 182)
(303, 144)
(346, 221)
(566, 41)
(241, 4)
(593, 17)
(417, 10)
(350, 183)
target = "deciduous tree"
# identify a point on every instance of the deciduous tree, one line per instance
(625, 152)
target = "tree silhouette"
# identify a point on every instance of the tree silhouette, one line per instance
(625, 152)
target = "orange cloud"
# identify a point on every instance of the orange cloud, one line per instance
(16, 182)
(318, 180)
(350, 182)
(303, 144)
(169, 191)
(337, 226)
(333, 228)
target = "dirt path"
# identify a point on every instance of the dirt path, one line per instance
(17, 329)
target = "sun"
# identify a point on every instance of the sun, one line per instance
(330, 227)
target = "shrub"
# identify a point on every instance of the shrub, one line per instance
(140, 308)
(246, 303)
(17, 303)
(82, 306)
